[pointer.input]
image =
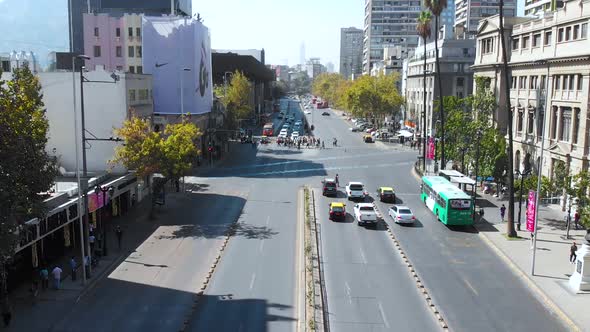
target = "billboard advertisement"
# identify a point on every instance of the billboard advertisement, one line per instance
(177, 53)
(531, 210)
(430, 151)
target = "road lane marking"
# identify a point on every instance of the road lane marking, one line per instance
(267, 221)
(470, 286)
(363, 259)
(252, 280)
(383, 315)
(348, 292)
(260, 248)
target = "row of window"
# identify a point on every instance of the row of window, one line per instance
(560, 82)
(573, 32)
(118, 32)
(132, 51)
(140, 94)
(561, 118)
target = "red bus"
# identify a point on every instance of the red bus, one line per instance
(268, 129)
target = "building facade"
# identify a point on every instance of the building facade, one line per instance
(550, 64)
(351, 52)
(118, 8)
(456, 57)
(533, 7)
(314, 68)
(468, 13)
(388, 24)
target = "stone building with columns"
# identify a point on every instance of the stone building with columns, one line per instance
(549, 60)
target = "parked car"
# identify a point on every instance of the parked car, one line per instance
(329, 187)
(401, 214)
(337, 211)
(386, 194)
(355, 190)
(364, 213)
(354, 129)
(368, 139)
(326, 114)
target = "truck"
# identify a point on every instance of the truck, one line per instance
(355, 190)
(364, 214)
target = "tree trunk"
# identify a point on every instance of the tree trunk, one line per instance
(510, 231)
(440, 99)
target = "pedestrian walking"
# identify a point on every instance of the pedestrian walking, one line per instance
(44, 275)
(87, 265)
(502, 212)
(6, 313)
(92, 238)
(337, 180)
(56, 273)
(73, 267)
(577, 219)
(119, 233)
(573, 250)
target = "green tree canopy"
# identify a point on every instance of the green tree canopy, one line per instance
(373, 96)
(26, 169)
(236, 98)
(327, 86)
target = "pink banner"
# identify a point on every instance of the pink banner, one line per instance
(531, 211)
(95, 201)
(430, 152)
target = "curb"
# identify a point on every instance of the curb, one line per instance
(566, 320)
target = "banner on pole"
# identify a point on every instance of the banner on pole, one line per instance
(531, 211)
(430, 152)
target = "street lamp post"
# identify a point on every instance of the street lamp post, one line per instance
(104, 190)
(522, 175)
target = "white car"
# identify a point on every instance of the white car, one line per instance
(401, 214)
(284, 132)
(307, 112)
(355, 190)
(364, 213)
(295, 135)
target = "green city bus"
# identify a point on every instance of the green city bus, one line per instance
(450, 204)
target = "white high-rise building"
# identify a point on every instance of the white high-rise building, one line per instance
(388, 24)
(535, 7)
(468, 13)
(351, 52)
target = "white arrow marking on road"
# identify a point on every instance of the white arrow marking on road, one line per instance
(348, 292)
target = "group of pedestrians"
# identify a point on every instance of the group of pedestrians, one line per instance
(309, 142)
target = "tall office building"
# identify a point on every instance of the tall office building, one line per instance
(117, 8)
(388, 24)
(468, 13)
(534, 7)
(351, 52)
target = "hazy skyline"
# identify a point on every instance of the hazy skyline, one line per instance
(277, 26)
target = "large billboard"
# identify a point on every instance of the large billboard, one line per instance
(177, 53)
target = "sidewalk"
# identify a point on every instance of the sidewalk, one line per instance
(53, 305)
(552, 267)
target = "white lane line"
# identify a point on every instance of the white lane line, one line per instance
(383, 315)
(363, 259)
(267, 221)
(261, 247)
(252, 280)
(348, 292)
(470, 286)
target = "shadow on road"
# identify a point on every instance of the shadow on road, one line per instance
(266, 166)
(416, 224)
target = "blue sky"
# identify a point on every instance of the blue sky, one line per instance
(278, 26)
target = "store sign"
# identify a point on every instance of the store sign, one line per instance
(531, 211)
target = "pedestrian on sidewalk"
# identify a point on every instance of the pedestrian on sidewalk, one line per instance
(6, 313)
(577, 219)
(573, 250)
(502, 212)
(44, 275)
(532, 240)
(56, 277)
(91, 240)
(87, 265)
(73, 268)
(119, 233)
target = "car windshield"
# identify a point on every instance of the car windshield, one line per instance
(387, 192)
(366, 208)
(405, 211)
(356, 187)
(330, 185)
(337, 209)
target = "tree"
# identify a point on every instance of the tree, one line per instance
(26, 169)
(510, 231)
(373, 96)
(301, 84)
(423, 29)
(436, 7)
(236, 98)
(327, 85)
(581, 183)
(169, 153)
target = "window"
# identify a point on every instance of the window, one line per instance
(548, 36)
(460, 81)
(560, 33)
(520, 121)
(95, 32)
(580, 82)
(522, 84)
(130, 31)
(118, 32)
(143, 94)
(119, 68)
(554, 123)
(525, 42)
(556, 79)
(566, 124)
(572, 81)
(138, 51)
(140, 69)
(138, 32)
(584, 30)
(537, 40)
(132, 69)
(568, 33)
(131, 95)
(131, 51)
(487, 45)
(564, 82)
(576, 125)
(530, 122)
(514, 79)
(540, 122)
(576, 32)
(119, 51)
(515, 43)
(97, 51)
(543, 83)
(533, 82)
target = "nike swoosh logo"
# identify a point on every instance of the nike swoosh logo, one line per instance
(158, 65)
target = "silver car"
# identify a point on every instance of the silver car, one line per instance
(401, 214)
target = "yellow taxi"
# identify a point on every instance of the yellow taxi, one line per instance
(337, 211)
(368, 138)
(386, 194)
